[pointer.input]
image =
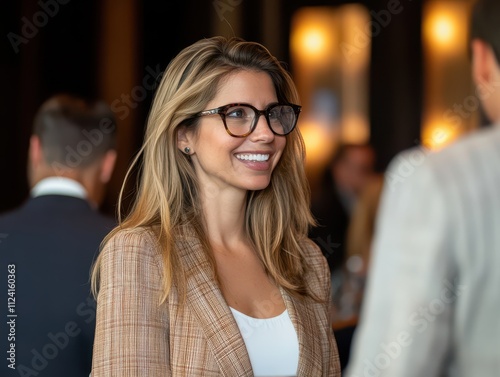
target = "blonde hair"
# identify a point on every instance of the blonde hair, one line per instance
(277, 218)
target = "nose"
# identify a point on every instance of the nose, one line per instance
(262, 131)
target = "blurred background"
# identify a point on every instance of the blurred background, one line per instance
(391, 73)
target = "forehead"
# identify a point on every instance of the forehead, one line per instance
(245, 86)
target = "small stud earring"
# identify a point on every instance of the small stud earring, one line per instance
(187, 150)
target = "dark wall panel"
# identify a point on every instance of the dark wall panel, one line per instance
(53, 49)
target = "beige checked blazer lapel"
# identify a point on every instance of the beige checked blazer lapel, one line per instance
(310, 353)
(205, 299)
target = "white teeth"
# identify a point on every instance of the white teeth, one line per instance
(253, 157)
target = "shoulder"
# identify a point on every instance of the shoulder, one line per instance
(476, 141)
(104, 221)
(468, 151)
(139, 240)
(135, 249)
(83, 213)
(312, 252)
(14, 216)
(318, 273)
(471, 160)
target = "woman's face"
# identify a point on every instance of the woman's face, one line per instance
(222, 161)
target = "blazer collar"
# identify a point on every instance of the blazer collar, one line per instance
(310, 353)
(209, 306)
(219, 326)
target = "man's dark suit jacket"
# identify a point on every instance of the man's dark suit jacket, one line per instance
(49, 244)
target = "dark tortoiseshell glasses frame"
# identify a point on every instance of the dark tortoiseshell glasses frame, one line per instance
(267, 113)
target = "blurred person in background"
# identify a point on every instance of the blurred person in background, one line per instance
(345, 179)
(432, 302)
(49, 243)
(349, 283)
(362, 226)
(332, 207)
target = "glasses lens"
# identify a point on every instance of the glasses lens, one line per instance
(239, 119)
(282, 119)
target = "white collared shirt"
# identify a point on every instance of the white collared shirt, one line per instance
(59, 186)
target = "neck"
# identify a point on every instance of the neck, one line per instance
(224, 216)
(87, 180)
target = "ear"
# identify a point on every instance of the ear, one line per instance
(35, 151)
(107, 166)
(483, 60)
(184, 138)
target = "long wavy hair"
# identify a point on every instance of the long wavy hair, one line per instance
(277, 217)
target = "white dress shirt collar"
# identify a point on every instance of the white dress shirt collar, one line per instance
(59, 186)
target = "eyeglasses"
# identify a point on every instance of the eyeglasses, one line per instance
(240, 119)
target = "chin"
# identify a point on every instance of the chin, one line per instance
(256, 184)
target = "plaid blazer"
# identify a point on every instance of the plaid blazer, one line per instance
(135, 336)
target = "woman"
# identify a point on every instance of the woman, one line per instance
(211, 274)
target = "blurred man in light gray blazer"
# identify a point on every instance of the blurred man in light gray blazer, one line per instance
(433, 299)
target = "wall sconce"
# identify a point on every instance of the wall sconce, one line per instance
(331, 64)
(447, 82)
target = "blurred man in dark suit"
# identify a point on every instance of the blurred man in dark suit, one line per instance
(48, 245)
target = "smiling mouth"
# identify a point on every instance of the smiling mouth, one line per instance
(253, 157)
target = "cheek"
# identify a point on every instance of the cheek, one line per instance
(216, 145)
(281, 144)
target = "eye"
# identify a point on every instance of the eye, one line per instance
(238, 112)
(275, 113)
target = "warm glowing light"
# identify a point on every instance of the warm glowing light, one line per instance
(313, 138)
(355, 129)
(319, 142)
(443, 29)
(439, 135)
(313, 36)
(313, 41)
(445, 25)
(445, 41)
(356, 41)
(330, 52)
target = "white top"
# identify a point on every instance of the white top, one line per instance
(59, 186)
(271, 343)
